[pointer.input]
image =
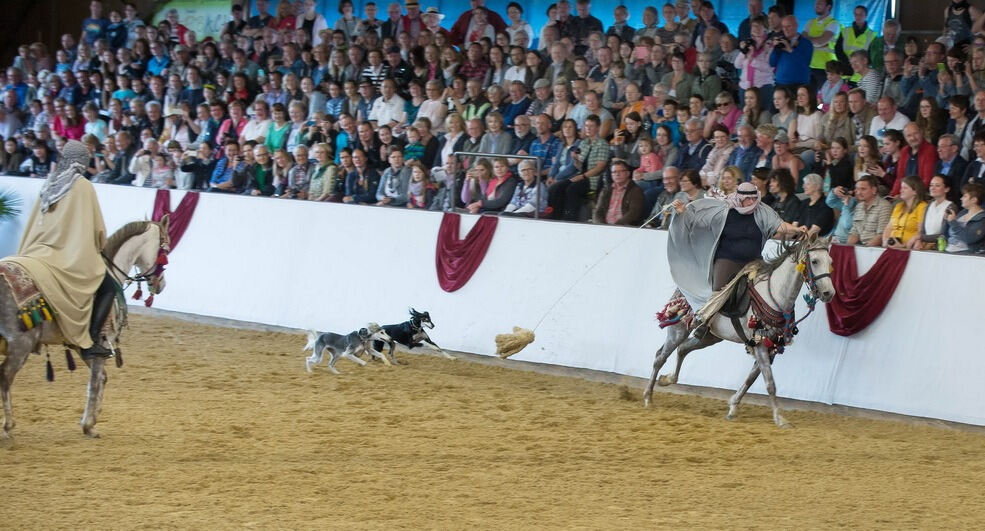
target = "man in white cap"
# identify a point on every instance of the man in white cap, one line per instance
(61, 251)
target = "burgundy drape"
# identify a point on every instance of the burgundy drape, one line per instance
(180, 218)
(457, 259)
(860, 300)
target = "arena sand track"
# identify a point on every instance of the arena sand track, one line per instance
(217, 428)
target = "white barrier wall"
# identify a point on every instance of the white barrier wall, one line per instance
(336, 267)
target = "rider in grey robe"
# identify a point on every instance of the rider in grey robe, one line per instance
(694, 238)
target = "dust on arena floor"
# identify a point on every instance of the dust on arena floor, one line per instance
(208, 427)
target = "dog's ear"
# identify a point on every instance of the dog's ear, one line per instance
(414, 312)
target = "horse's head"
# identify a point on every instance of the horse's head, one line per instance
(152, 248)
(817, 267)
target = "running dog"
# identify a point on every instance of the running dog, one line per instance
(410, 334)
(347, 346)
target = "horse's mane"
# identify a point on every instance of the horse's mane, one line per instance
(125, 232)
(786, 249)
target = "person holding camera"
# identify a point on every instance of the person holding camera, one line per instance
(791, 55)
(754, 60)
(903, 229)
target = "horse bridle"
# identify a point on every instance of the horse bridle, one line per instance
(153, 277)
(807, 272)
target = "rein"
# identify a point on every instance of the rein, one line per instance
(782, 322)
(153, 277)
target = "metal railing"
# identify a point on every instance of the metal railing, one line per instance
(461, 154)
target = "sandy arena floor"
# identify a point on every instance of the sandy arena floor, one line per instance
(211, 428)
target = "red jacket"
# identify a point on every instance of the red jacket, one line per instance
(461, 26)
(926, 161)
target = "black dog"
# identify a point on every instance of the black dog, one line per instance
(409, 334)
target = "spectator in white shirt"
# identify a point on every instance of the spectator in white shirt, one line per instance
(887, 117)
(388, 109)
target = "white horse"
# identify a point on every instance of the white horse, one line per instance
(777, 287)
(138, 244)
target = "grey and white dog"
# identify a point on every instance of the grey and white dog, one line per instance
(344, 346)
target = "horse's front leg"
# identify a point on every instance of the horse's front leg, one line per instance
(733, 403)
(764, 361)
(94, 395)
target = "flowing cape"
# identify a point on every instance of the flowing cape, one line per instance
(694, 236)
(61, 249)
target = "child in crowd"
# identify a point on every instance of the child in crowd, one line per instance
(414, 150)
(833, 85)
(162, 172)
(649, 161)
(421, 190)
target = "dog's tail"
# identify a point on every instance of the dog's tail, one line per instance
(312, 338)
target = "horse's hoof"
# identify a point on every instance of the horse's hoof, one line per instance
(665, 380)
(89, 432)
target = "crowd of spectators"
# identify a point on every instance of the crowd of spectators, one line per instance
(862, 133)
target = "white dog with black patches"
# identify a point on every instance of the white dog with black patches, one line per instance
(347, 346)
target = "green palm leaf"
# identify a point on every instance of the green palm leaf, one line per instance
(9, 205)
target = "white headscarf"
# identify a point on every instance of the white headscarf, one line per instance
(72, 162)
(744, 191)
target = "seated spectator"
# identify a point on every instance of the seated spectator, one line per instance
(621, 201)
(420, 190)
(260, 179)
(843, 201)
(392, 190)
(142, 164)
(282, 163)
(693, 153)
(717, 157)
(903, 230)
(746, 153)
(431, 144)
(476, 179)
(724, 113)
(785, 158)
(450, 180)
(496, 140)
(950, 163)
(11, 158)
(453, 139)
(728, 183)
(497, 191)
(259, 125)
(871, 214)
(966, 228)
(362, 182)
(529, 196)
(692, 188)
(886, 118)
(933, 227)
(199, 165)
(649, 163)
(222, 179)
(414, 150)
(833, 85)
(815, 214)
(472, 141)
(836, 166)
(625, 142)
(919, 158)
(661, 205)
(785, 201)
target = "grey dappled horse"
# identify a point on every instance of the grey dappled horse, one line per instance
(137, 244)
(780, 289)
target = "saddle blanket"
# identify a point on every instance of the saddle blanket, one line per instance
(21, 284)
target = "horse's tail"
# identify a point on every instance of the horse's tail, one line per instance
(312, 338)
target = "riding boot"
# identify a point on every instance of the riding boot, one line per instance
(701, 331)
(101, 305)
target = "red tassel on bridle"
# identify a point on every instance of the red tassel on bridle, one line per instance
(137, 295)
(162, 258)
(149, 301)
